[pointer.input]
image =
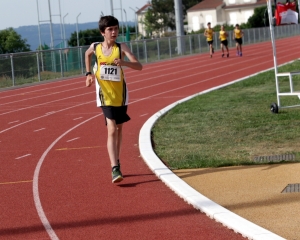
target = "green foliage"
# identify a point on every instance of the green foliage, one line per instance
(86, 37)
(161, 15)
(259, 18)
(12, 42)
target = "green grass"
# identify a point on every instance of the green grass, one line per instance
(231, 126)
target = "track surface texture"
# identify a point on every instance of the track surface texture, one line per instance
(55, 176)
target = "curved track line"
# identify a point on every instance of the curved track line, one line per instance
(35, 186)
(189, 194)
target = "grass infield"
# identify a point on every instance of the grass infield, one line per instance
(232, 125)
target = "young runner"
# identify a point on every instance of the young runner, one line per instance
(111, 89)
(209, 34)
(224, 43)
(238, 36)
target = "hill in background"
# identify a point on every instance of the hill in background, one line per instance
(31, 33)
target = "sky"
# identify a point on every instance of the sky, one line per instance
(17, 13)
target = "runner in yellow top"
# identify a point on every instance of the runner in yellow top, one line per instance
(238, 36)
(224, 43)
(111, 89)
(209, 34)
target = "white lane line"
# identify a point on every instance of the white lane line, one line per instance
(148, 149)
(36, 197)
(27, 155)
(39, 129)
(73, 139)
(77, 118)
(143, 114)
(49, 113)
(14, 122)
(31, 120)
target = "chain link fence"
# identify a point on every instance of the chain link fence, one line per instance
(30, 67)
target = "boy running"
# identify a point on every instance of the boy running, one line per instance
(237, 35)
(111, 89)
(209, 34)
(224, 43)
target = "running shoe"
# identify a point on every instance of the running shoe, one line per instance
(210, 56)
(228, 55)
(238, 53)
(213, 50)
(241, 54)
(116, 175)
(223, 55)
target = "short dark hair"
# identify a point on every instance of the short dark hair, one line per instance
(107, 21)
(237, 25)
(208, 23)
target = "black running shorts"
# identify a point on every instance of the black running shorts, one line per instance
(239, 41)
(119, 114)
(225, 43)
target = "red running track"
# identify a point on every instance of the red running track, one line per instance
(55, 177)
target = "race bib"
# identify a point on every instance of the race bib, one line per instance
(110, 73)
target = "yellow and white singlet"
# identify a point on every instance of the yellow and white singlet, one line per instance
(209, 34)
(111, 89)
(223, 36)
(237, 33)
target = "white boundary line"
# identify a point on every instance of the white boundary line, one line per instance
(189, 194)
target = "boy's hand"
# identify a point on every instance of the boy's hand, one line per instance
(89, 80)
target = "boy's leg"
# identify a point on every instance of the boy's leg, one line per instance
(112, 142)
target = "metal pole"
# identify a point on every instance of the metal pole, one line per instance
(179, 25)
(126, 24)
(12, 69)
(122, 19)
(77, 29)
(61, 31)
(136, 23)
(112, 7)
(51, 30)
(65, 45)
(39, 29)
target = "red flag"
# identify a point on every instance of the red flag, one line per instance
(283, 10)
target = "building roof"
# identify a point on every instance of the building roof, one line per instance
(206, 4)
(142, 9)
(257, 4)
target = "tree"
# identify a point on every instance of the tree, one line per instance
(12, 42)
(86, 37)
(161, 14)
(259, 18)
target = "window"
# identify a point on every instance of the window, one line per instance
(196, 23)
(231, 1)
(247, 0)
(247, 15)
(208, 18)
(233, 18)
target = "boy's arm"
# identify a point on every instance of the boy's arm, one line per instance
(133, 62)
(88, 58)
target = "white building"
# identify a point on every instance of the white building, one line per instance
(221, 12)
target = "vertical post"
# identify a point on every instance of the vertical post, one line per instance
(122, 19)
(51, 30)
(170, 47)
(145, 49)
(81, 63)
(111, 7)
(61, 68)
(158, 52)
(199, 40)
(65, 44)
(39, 30)
(77, 36)
(61, 31)
(179, 25)
(77, 29)
(38, 66)
(12, 69)
(136, 23)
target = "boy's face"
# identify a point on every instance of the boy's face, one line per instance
(111, 33)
